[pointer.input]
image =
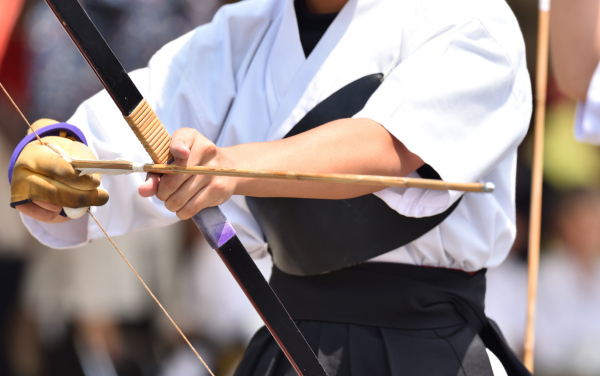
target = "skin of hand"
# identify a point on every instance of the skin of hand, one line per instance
(188, 194)
(575, 44)
(347, 146)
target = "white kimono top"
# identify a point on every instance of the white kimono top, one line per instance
(456, 92)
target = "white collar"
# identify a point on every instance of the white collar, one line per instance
(360, 41)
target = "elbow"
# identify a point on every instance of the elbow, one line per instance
(574, 72)
(575, 91)
(574, 85)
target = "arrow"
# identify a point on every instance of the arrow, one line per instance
(121, 167)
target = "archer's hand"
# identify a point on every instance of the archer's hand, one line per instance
(43, 182)
(186, 194)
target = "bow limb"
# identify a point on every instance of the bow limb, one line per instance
(210, 221)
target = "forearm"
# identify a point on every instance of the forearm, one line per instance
(348, 146)
(575, 42)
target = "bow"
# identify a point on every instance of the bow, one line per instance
(210, 221)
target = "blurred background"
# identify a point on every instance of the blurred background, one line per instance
(82, 311)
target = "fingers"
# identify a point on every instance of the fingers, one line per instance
(214, 194)
(189, 198)
(188, 194)
(150, 186)
(48, 206)
(179, 150)
(42, 211)
(169, 184)
(185, 192)
(28, 185)
(182, 142)
(189, 148)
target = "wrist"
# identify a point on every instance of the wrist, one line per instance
(227, 157)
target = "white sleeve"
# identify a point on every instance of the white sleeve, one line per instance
(587, 119)
(190, 82)
(460, 99)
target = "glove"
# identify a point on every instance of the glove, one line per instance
(40, 174)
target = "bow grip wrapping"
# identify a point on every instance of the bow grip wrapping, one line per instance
(150, 132)
(156, 140)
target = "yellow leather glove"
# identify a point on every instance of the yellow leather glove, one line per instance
(42, 175)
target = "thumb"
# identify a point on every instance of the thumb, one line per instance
(179, 150)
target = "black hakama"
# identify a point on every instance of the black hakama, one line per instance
(386, 319)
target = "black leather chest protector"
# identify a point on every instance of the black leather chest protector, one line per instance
(309, 236)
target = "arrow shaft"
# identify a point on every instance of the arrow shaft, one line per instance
(372, 180)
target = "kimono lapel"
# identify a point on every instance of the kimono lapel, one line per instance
(363, 39)
(285, 59)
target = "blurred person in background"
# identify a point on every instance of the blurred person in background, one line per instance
(575, 48)
(506, 289)
(569, 289)
(14, 244)
(568, 328)
(14, 240)
(134, 29)
(567, 324)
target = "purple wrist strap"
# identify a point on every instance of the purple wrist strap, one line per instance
(50, 130)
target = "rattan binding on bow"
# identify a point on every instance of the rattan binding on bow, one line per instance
(151, 132)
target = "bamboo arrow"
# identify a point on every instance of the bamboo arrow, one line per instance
(119, 167)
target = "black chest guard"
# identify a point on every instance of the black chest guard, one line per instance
(310, 236)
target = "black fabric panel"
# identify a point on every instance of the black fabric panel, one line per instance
(423, 298)
(495, 341)
(372, 338)
(403, 297)
(357, 350)
(472, 355)
(417, 349)
(343, 104)
(424, 331)
(309, 237)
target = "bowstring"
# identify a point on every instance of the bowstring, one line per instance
(150, 292)
(121, 253)
(23, 116)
